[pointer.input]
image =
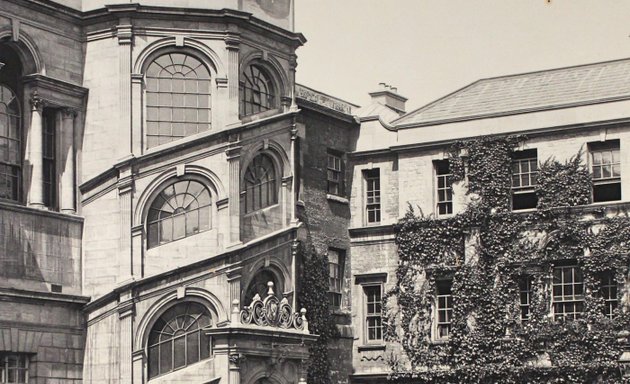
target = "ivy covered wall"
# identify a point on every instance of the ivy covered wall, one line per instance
(485, 251)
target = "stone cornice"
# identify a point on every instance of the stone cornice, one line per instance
(16, 207)
(69, 89)
(429, 145)
(18, 294)
(48, 6)
(231, 16)
(198, 265)
(177, 146)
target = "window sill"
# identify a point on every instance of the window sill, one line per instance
(525, 210)
(371, 347)
(438, 341)
(340, 312)
(337, 199)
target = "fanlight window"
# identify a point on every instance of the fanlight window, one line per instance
(180, 210)
(260, 185)
(259, 285)
(9, 144)
(178, 98)
(177, 338)
(257, 91)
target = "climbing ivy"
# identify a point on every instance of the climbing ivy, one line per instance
(313, 297)
(564, 184)
(485, 251)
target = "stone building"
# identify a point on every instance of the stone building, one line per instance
(157, 159)
(406, 161)
(159, 167)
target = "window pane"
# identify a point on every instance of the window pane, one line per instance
(257, 91)
(166, 356)
(179, 351)
(192, 347)
(204, 345)
(169, 90)
(192, 222)
(153, 361)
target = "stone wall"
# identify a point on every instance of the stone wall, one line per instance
(38, 249)
(49, 330)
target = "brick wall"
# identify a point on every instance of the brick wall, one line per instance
(327, 219)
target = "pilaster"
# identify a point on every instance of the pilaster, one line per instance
(292, 69)
(126, 311)
(138, 360)
(137, 87)
(125, 190)
(294, 165)
(137, 251)
(236, 361)
(232, 43)
(233, 154)
(295, 246)
(125, 40)
(234, 280)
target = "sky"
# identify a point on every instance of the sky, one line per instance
(429, 48)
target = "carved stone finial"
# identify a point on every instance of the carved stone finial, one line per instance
(270, 290)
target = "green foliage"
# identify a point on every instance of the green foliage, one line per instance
(314, 297)
(486, 250)
(486, 158)
(563, 184)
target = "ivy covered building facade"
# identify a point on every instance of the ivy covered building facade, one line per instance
(492, 227)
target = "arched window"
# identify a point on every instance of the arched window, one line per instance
(178, 98)
(177, 338)
(180, 210)
(9, 144)
(258, 93)
(260, 186)
(259, 285)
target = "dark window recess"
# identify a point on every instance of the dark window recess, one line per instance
(373, 195)
(606, 170)
(608, 291)
(56, 288)
(525, 291)
(373, 313)
(444, 188)
(444, 308)
(336, 261)
(48, 158)
(524, 179)
(334, 174)
(568, 293)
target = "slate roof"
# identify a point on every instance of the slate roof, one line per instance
(582, 84)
